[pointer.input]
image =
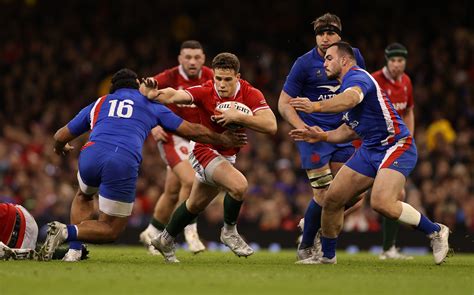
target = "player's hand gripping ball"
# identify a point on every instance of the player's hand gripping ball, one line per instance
(239, 107)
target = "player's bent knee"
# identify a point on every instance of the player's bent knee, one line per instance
(196, 206)
(332, 202)
(320, 179)
(238, 190)
(380, 205)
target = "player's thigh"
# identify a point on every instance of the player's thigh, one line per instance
(90, 164)
(394, 163)
(388, 186)
(201, 195)
(118, 186)
(232, 180)
(184, 172)
(172, 184)
(341, 154)
(347, 185)
(175, 150)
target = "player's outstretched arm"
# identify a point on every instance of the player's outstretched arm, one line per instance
(342, 102)
(288, 112)
(200, 133)
(315, 134)
(61, 139)
(149, 88)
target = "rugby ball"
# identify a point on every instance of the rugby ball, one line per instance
(240, 107)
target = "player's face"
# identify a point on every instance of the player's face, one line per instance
(396, 66)
(192, 61)
(226, 82)
(325, 39)
(332, 64)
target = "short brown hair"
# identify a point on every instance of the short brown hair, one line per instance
(226, 61)
(327, 19)
(344, 48)
(191, 44)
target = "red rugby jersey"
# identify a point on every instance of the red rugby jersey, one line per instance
(400, 92)
(176, 78)
(206, 99)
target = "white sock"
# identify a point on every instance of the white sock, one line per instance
(409, 215)
(153, 229)
(230, 227)
(192, 226)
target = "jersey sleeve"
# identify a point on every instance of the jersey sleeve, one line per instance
(364, 83)
(82, 121)
(359, 58)
(197, 93)
(295, 79)
(256, 101)
(166, 118)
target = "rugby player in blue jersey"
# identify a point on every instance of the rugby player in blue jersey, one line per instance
(385, 159)
(321, 160)
(109, 162)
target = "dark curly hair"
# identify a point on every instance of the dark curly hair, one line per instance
(124, 78)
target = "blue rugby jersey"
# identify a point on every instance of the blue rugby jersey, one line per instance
(307, 78)
(374, 119)
(123, 118)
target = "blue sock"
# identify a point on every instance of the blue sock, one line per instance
(71, 233)
(75, 245)
(329, 247)
(312, 223)
(427, 226)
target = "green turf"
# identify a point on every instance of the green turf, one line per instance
(129, 270)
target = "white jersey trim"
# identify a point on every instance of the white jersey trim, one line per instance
(115, 208)
(386, 113)
(93, 111)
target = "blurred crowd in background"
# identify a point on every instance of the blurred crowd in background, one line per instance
(56, 59)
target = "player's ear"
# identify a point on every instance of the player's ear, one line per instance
(237, 76)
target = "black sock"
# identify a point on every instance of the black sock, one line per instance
(157, 224)
(231, 209)
(181, 217)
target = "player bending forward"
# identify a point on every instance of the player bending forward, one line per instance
(214, 163)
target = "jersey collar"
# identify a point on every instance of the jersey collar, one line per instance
(183, 73)
(237, 89)
(387, 75)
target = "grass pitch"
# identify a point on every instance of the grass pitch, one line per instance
(130, 270)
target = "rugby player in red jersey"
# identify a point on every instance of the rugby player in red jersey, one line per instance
(213, 163)
(175, 149)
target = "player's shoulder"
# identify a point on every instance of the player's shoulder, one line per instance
(358, 76)
(248, 90)
(378, 75)
(406, 79)
(356, 51)
(306, 57)
(168, 73)
(246, 86)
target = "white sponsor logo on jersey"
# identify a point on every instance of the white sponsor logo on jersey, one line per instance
(333, 89)
(400, 106)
